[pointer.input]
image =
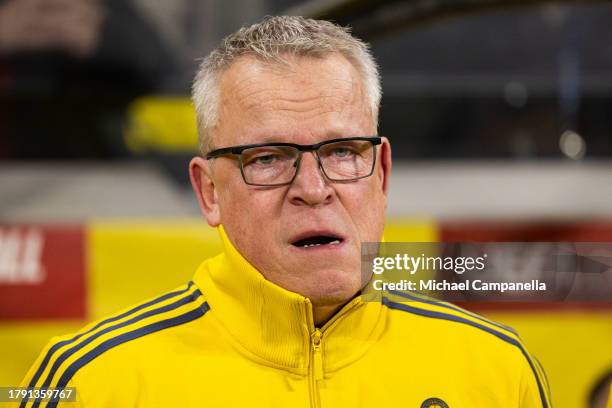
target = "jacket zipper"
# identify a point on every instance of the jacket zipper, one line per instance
(317, 357)
(316, 367)
(316, 354)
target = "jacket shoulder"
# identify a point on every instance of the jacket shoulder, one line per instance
(64, 356)
(418, 304)
(484, 338)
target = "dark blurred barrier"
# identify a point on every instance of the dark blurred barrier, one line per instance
(68, 70)
(372, 18)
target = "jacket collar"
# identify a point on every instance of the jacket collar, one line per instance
(272, 325)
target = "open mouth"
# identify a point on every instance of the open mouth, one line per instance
(317, 241)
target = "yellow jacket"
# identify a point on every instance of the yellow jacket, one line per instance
(231, 338)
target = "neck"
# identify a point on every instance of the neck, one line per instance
(322, 314)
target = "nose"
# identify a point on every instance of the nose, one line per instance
(310, 187)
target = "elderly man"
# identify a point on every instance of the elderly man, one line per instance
(295, 178)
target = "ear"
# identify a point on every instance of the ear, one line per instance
(204, 188)
(384, 168)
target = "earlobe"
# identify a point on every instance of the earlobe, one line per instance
(204, 188)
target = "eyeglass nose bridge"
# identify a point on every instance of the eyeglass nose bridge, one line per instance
(298, 161)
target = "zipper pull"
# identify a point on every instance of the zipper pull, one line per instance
(317, 355)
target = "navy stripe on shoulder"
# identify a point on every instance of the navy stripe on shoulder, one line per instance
(59, 345)
(439, 315)
(543, 373)
(125, 337)
(452, 307)
(67, 353)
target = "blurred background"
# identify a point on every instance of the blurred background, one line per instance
(499, 113)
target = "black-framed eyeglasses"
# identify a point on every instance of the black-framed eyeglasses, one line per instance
(277, 164)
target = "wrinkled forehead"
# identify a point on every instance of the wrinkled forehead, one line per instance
(291, 71)
(300, 98)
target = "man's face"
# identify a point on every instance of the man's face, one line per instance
(312, 100)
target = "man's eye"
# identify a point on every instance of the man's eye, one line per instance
(263, 159)
(267, 159)
(342, 152)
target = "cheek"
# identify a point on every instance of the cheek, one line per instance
(372, 221)
(242, 208)
(377, 205)
(366, 207)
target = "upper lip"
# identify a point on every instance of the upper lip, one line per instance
(316, 233)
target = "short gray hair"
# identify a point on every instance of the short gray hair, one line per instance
(268, 40)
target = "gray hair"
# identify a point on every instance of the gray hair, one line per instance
(268, 40)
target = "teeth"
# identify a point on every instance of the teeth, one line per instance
(336, 242)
